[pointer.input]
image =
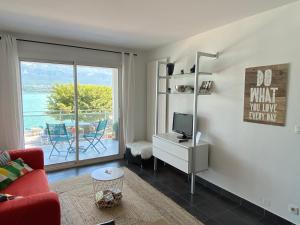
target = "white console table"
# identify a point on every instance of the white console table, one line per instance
(183, 156)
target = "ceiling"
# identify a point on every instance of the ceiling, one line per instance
(139, 24)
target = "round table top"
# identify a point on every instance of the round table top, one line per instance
(107, 174)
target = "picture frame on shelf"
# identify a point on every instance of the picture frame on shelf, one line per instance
(206, 87)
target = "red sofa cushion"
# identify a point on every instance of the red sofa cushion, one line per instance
(32, 183)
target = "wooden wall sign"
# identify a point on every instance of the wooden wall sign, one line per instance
(266, 94)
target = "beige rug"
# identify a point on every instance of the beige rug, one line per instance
(141, 204)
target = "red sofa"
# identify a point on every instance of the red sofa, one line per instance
(39, 206)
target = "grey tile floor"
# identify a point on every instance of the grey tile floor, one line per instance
(206, 205)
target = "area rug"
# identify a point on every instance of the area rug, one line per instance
(142, 204)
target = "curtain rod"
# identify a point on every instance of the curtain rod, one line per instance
(72, 46)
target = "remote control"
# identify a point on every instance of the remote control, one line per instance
(183, 140)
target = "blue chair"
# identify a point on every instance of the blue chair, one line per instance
(58, 134)
(94, 138)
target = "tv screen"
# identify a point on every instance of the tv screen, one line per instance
(183, 124)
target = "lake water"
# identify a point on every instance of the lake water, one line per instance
(34, 110)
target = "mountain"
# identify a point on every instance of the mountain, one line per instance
(41, 76)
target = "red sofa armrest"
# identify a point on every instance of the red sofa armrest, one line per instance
(42, 208)
(34, 157)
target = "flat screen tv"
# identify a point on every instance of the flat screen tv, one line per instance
(183, 124)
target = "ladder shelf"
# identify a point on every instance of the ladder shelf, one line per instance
(195, 95)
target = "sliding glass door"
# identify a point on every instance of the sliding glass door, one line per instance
(97, 111)
(53, 94)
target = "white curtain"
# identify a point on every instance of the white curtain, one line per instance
(11, 123)
(128, 98)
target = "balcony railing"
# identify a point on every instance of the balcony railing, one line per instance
(36, 134)
(35, 124)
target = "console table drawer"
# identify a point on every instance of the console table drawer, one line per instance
(171, 148)
(171, 159)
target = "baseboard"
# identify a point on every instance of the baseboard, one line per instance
(243, 202)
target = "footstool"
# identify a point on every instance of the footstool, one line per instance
(139, 152)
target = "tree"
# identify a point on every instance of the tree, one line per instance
(91, 98)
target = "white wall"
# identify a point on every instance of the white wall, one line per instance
(93, 58)
(260, 163)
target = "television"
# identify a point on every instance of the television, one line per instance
(183, 124)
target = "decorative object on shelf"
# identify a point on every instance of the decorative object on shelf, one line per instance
(189, 89)
(180, 88)
(206, 87)
(184, 88)
(192, 70)
(182, 71)
(265, 95)
(198, 137)
(170, 68)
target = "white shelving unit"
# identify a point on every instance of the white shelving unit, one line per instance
(195, 105)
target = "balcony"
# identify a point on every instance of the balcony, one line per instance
(37, 135)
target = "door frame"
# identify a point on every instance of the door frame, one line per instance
(77, 162)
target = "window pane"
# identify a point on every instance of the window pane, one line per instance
(48, 98)
(98, 111)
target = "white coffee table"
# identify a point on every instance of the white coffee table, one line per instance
(108, 186)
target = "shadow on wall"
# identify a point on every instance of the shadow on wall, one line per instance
(235, 57)
(230, 54)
